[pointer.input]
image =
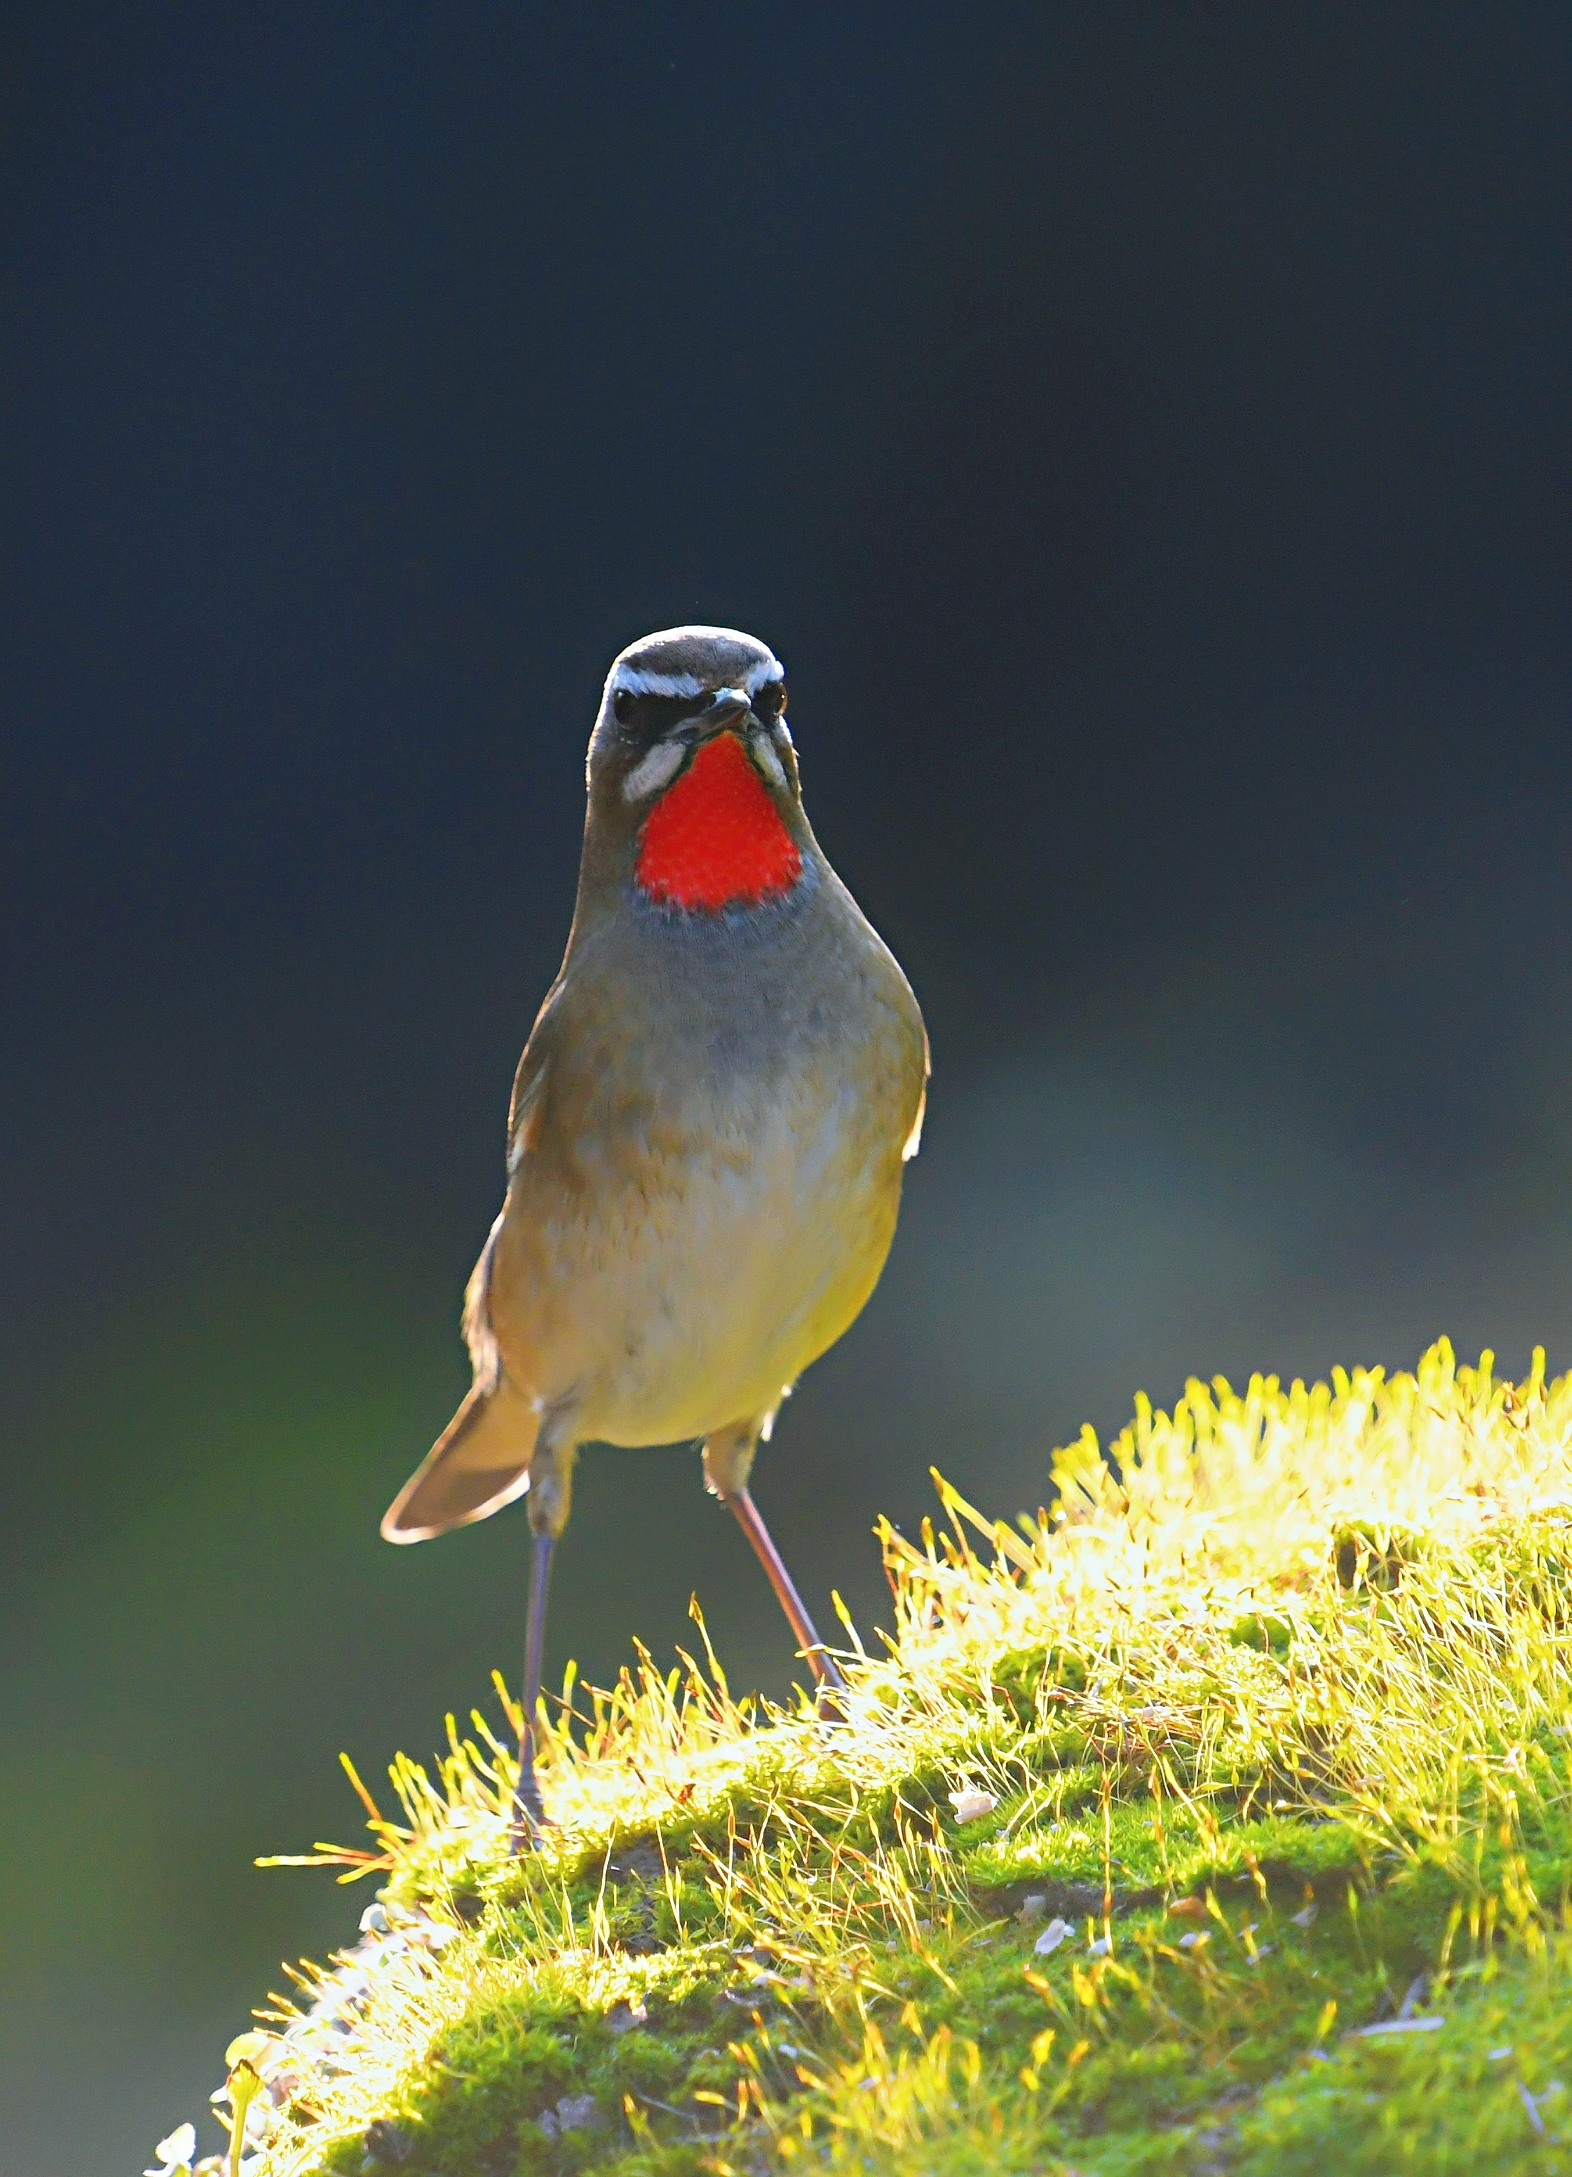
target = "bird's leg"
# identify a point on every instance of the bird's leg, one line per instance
(728, 1461)
(823, 1665)
(551, 1490)
(529, 1814)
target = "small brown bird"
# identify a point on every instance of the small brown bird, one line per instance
(706, 1135)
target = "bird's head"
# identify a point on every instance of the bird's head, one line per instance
(692, 771)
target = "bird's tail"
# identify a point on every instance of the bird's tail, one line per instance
(479, 1463)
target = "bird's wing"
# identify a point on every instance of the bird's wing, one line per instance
(529, 1083)
(479, 1463)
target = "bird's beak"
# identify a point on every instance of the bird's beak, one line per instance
(729, 705)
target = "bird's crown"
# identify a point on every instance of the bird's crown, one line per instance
(692, 661)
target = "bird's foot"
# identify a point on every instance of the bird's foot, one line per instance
(529, 1817)
(526, 1834)
(830, 1700)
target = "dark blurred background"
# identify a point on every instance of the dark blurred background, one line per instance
(1145, 434)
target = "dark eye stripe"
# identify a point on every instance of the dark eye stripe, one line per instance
(645, 717)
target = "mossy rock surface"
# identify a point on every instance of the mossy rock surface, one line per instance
(1262, 1741)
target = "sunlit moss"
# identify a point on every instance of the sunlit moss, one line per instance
(1269, 1727)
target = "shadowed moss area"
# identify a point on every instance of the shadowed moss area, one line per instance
(1219, 1821)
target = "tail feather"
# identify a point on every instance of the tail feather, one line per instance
(479, 1463)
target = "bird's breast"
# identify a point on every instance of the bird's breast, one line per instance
(712, 1179)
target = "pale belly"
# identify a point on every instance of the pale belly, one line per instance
(682, 1276)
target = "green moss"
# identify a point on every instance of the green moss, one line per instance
(1146, 1847)
(1275, 1724)
(1481, 2093)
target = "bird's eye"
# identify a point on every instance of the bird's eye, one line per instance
(770, 700)
(622, 705)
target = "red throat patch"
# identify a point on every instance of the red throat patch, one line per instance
(715, 839)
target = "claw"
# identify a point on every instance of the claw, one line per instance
(527, 1832)
(830, 1706)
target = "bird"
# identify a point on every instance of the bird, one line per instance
(706, 1138)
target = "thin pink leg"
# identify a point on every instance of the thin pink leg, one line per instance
(750, 1520)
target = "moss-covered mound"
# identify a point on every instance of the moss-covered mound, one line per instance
(1221, 1821)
